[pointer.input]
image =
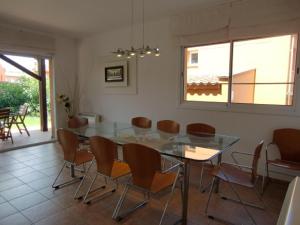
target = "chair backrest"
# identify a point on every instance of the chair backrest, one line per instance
(4, 118)
(168, 126)
(200, 129)
(105, 152)
(144, 162)
(76, 122)
(23, 109)
(288, 142)
(69, 143)
(256, 157)
(141, 122)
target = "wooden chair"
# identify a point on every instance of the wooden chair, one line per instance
(287, 141)
(234, 174)
(147, 176)
(76, 122)
(105, 152)
(201, 130)
(168, 126)
(72, 156)
(5, 125)
(141, 122)
(19, 118)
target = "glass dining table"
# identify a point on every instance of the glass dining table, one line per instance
(201, 147)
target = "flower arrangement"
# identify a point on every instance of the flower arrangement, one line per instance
(65, 100)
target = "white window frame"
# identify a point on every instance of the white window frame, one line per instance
(240, 107)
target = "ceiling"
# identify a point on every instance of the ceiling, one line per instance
(80, 18)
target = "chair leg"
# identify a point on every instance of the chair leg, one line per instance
(90, 187)
(170, 196)
(210, 193)
(201, 176)
(74, 180)
(120, 202)
(240, 200)
(266, 178)
(82, 181)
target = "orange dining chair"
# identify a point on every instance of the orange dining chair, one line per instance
(108, 167)
(147, 176)
(201, 130)
(76, 122)
(141, 122)
(287, 141)
(168, 126)
(236, 174)
(73, 157)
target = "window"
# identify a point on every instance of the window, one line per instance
(256, 71)
(194, 58)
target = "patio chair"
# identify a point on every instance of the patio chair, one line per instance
(201, 130)
(108, 167)
(5, 125)
(235, 174)
(19, 118)
(73, 157)
(147, 176)
(287, 141)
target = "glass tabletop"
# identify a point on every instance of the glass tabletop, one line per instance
(202, 147)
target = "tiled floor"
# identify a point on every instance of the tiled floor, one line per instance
(36, 136)
(26, 197)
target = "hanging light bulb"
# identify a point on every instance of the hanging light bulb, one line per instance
(148, 50)
(128, 55)
(132, 51)
(142, 53)
(156, 52)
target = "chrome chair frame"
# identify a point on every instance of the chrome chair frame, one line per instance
(147, 194)
(89, 191)
(266, 177)
(74, 179)
(238, 200)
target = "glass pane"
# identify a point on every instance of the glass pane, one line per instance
(207, 80)
(275, 94)
(265, 61)
(27, 62)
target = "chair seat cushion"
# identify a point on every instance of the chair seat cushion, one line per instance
(285, 164)
(83, 156)
(162, 181)
(119, 169)
(233, 174)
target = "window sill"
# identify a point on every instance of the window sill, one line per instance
(274, 110)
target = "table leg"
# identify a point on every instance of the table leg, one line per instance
(186, 183)
(72, 169)
(217, 180)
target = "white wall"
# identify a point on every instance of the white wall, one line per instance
(158, 89)
(62, 49)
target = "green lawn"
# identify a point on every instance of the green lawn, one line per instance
(32, 121)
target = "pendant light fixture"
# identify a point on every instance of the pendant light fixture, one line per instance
(142, 51)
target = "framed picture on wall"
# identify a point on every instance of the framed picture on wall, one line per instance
(115, 74)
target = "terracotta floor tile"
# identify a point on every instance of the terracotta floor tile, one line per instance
(41, 211)
(15, 219)
(16, 192)
(11, 183)
(6, 210)
(31, 177)
(27, 201)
